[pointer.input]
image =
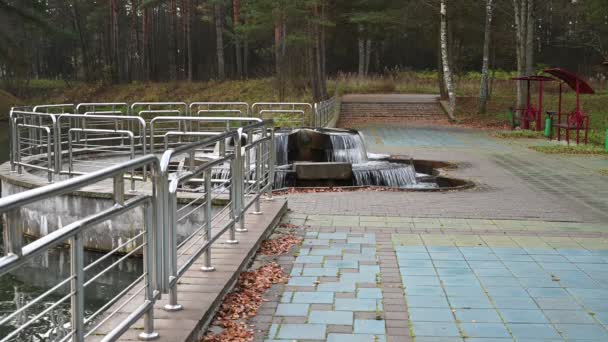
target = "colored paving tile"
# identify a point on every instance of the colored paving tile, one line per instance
(340, 285)
(526, 293)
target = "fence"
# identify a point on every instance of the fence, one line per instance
(233, 180)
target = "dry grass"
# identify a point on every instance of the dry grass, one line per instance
(572, 149)
(519, 134)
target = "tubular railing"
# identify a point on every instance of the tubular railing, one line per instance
(325, 112)
(204, 187)
(196, 108)
(143, 291)
(281, 112)
(96, 107)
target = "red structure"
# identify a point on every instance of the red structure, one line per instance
(577, 119)
(530, 113)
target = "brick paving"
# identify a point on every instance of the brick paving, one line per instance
(519, 258)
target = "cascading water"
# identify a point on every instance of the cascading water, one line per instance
(347, 148)
(382, 173)
(281, 147)
(340, 146)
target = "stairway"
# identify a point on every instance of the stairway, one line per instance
(362, 109)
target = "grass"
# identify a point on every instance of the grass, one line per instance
(519, 134)
(603, 172)
(572, 149)
(395, 81)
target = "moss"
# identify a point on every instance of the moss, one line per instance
(572, 149)
(521, 134)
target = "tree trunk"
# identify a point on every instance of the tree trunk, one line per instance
(236, 8)
(447, 71)
(219, 40)
(443, 92)
(530, 38)
(189, 36)
(173, 51)
(361, 52)
(368, 55)
(484, 86)
(114, 41)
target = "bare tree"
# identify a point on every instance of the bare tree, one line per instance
(219, 41)
(484, 86)
(447, 70)
(524, 37)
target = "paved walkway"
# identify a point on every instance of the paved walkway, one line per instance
(524, 257)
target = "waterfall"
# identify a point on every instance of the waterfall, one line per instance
(281, 147)
(347, 148)
(384, 174)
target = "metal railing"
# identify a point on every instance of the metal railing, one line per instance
(207, 185)
(143, 291)
(325, 112)
(281, 113)
(242, 108)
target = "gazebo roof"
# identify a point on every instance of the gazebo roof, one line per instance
(571, 79)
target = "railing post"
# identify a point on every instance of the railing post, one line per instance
(237, 182)
(233, 208)
(271, 166)
(258, 177)
(151, 269)
(77, 287)
(171, 246)
(208, 224)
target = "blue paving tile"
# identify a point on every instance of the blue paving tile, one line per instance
(286, 297)
(509, 251)
(421, 281)
(515, 257)
(531, 282)
(442, 249)
(369, 326)
(313, 297)
(369, 293)
(477, 316)
(431, 315)
(336, 287)
(413, 256)
(302, 281)
(550, 258)
(315, 242)
(375, 269)
(470, 302)
(439, 329)
(595, 304)
(331, 317)
(583, 331)
(332, 236)
(589, 293)
(426, 302)
(499, 281)
(549, 303)
(454, 271)
(460, 280)
(309, 259)
(547, 292)
(574, 252)
(415, 263)
(438, 339)
(552, 266)
(482, 257)
(406, 249)
(602, 317)
(320, 272)
(523, 316)
(477, 264)
(506, 291)
(358, 278)
(341, 264)
(451, 264)
(272, 332)
(586, 283)
(484, 330)
(528, 331)
(355, 304)
(464, 291)
(302, 331)
(541, 251)
(358, 257)
(292, 309)
(493, 272)
(327, 252)
(446, 256)
(414, 271)
(334, 337)
(590, 259)
(514, 303)
(569, 316)
(424, 291)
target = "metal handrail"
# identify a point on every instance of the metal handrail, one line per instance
(220, 106)
(18, 254)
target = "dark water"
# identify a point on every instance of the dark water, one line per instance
(45, 272)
